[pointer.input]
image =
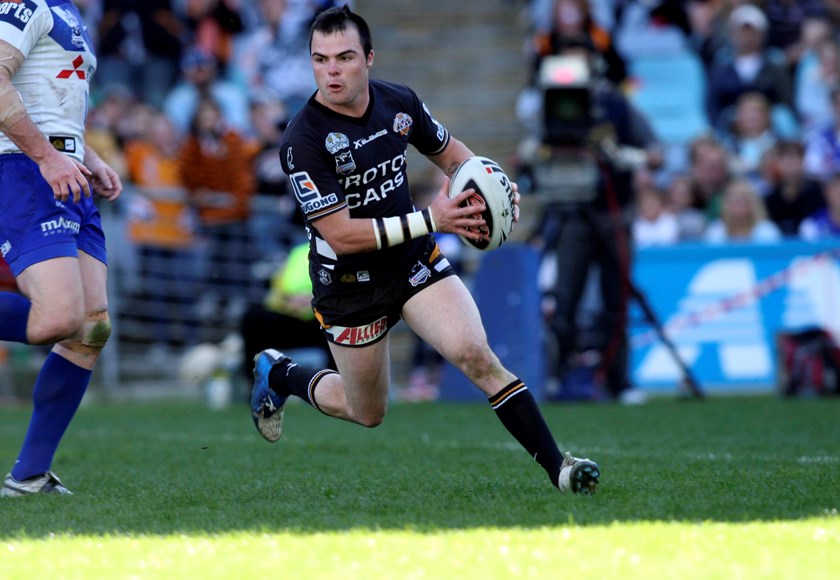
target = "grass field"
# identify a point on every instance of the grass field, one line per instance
(725, 488)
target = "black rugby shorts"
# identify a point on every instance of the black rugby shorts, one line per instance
(362, 314)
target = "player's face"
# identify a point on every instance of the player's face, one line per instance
(341, 71)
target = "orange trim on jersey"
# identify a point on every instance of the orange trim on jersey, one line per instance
(326, 212)
(320, 319)
(434, 255)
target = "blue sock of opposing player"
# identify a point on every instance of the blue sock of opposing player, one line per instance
(14, 312)
(59, 389)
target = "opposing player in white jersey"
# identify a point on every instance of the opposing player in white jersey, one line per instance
(50, 229)
(373, 260)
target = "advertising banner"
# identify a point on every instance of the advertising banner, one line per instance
(723, 307)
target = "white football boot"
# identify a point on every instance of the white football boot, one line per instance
(47, 483)
(578, 475)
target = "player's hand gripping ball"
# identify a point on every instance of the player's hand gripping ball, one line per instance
(492, 185)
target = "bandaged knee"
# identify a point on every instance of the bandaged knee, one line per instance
(95, 332)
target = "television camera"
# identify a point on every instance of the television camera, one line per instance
(576, 137)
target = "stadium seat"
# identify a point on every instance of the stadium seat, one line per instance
(670, 90)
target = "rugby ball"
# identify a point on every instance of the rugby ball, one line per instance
(493, 186)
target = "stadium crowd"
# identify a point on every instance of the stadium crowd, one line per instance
(192, 96)
(710, 122)
(757, 158)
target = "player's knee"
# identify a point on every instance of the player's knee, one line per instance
(370, 421)
(475, 360)
(95, 331)
(370, 417)
(54, 328)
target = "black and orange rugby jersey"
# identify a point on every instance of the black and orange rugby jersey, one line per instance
(335, 161)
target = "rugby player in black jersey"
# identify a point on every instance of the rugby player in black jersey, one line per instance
(373, 259)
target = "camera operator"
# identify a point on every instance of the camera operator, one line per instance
(591, 143)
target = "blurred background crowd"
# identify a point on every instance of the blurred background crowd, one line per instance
(743, 98)
(190, 99)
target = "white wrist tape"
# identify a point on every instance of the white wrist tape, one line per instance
(394, 230)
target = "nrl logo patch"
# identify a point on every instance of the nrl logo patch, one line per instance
(336, 142)
(344, 163)
(419, 274)
(402, 123)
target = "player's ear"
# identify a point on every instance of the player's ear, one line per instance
(370, 58)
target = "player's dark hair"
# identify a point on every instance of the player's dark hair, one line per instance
(338, 19)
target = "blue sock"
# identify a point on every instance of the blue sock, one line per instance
(59, 389)
(14, 312)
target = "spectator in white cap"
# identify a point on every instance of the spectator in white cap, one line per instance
(747, 68)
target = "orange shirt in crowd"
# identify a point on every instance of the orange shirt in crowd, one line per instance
(166, 222)
(217, 175)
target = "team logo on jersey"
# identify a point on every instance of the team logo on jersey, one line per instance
(307, 194)
(419, 274)
(336, 142)
(68, 30)
(344, 163)
(16, 12)
(402, 123)
(75, 27)
(324, 277)
(289, 160)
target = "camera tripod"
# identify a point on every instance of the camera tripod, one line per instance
(584, 213)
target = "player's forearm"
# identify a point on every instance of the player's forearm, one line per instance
(452, 156)
(352, 236)
(15, 121)
(24, 133)
(92, 158)
(391, 231)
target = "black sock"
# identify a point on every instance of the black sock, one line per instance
(519, 413)
(293, 379)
